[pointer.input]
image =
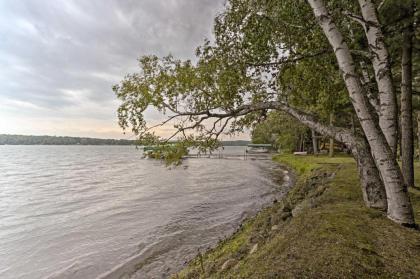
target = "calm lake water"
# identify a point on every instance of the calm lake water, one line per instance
(99, 211)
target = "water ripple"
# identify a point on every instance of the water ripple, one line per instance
(88, 211)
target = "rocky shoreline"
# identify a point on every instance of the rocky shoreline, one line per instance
(321, 229)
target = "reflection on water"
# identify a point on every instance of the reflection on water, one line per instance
(89, 211)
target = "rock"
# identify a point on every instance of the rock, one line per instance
(286, 208)
(253, 249)
(309, 203)
(229, 264)
(286, 216)
(274, 228)
(243, 250)
(297, 210)
(255, 238)
(275, 219)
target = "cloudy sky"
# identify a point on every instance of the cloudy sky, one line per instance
(59, 58)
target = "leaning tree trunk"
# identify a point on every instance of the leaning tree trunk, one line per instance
(373, 189)
(407, 136)
(374, 196)
(399, 205)
(388, 116)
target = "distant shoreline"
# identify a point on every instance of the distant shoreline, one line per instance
(6, 139)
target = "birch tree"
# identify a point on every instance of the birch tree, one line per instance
(399, 205)
(407, 129)
(388, 114)
(241, 76)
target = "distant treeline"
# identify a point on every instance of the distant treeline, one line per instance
(53, 140)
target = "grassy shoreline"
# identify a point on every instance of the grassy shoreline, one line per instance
(321, 229)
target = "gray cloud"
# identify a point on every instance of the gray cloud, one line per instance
(59, 59)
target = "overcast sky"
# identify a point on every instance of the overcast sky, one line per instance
(60, 58)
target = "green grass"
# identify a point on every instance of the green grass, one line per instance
(320, 230)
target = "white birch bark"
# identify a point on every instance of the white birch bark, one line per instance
(399, 205)
(407, 131)
(365, 82)
(388, 116)
(371, 184)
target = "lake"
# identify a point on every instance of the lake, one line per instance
(100, 211)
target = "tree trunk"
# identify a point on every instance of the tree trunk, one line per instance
(314, 141)
(366, 83)
(303, 143)
(331, 152)
(372, 186)
(399, 205)
(353, 125)
(418, 134)
(388, 116)
(407, 133)
(374, 196)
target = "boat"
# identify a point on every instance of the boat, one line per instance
(254, 148)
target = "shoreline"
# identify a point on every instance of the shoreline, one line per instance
(320, 229)
(136, 265)
(293, 176)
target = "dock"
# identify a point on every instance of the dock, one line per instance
(221, 155)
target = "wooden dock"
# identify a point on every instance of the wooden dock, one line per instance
(221, 155)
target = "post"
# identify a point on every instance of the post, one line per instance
(314, 141)
(331, 154)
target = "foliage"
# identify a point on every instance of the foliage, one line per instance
(280, 130)
(263, 51)
(171, 153)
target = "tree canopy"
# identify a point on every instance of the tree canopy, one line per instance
(308, 59)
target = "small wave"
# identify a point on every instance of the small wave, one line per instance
(84, 219)
(71, 271)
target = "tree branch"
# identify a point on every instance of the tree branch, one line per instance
(287, 60)
(356, 18)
